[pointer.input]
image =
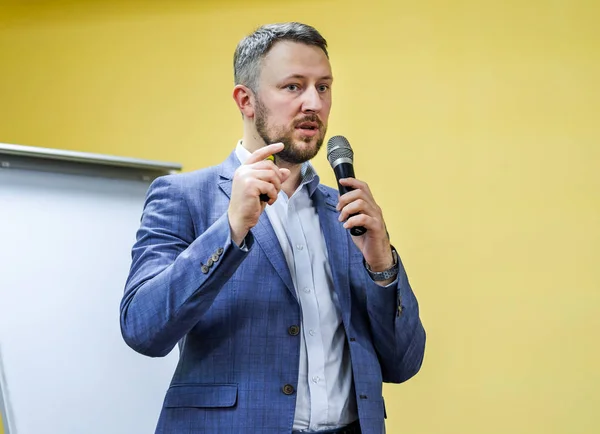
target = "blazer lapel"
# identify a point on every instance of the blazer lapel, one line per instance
(337, 246)
(263, 232)
(268, 241)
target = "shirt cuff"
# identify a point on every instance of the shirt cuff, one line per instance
(243, 247)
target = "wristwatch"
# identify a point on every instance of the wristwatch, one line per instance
(379, 276)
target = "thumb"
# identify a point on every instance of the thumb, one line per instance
(285, 174)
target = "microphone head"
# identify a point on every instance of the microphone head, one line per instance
(339, 151)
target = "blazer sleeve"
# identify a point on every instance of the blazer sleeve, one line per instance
(398, 334)
(172, 282)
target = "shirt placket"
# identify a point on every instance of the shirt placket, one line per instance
(310, 317)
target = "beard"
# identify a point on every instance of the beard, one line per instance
(291, 153)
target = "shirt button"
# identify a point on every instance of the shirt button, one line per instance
(312, 332)
(294, 330)
(288, 389)
(307, 290)
(299, 246)
(315, 379)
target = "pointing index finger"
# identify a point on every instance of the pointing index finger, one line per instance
(264, 152)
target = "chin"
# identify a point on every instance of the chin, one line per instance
(306, 143)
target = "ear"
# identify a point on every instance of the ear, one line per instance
(244, 98)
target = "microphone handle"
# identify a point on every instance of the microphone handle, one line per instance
(346, 170)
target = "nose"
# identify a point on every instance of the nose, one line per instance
(312, 101)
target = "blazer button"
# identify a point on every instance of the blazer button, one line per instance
(204, 269)
(294, 330)
(209, 262)
(214, 257)
(220, 251)
(288, 389)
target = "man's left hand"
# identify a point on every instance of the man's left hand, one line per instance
(375, 243)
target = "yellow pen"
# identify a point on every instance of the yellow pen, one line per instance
(263, 196)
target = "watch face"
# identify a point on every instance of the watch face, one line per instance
(387, 274)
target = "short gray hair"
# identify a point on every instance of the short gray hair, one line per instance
(254, 47)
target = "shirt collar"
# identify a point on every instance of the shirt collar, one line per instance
(308, 174)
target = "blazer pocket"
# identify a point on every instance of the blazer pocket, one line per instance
(201, 395)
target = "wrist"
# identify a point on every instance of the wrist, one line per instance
(237, 234)
(384, 272)
(382, 265)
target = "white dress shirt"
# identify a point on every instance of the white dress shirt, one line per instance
(325, 393)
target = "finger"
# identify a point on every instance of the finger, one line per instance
(264, 152)
(356, 184)
(371, 224)
(358, 207)
(252, 182)
(270, 176)
(352, 196)
(268, 189)
(283, 174)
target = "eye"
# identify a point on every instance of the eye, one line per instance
(323, 88)
(292, 87)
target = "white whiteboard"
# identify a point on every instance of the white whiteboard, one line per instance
(65, 244)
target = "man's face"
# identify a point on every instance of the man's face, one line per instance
(294, 99)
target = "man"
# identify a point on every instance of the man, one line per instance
(285, 322)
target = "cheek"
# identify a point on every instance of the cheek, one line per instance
(281, 116)
(325, 110)
(276, 120)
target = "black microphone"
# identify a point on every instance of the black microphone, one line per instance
(341, 159)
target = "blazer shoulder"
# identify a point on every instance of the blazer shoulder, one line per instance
(202, 176)
(189, 178)
(328, 190)
(331, 195)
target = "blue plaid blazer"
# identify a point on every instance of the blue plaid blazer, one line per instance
(230, 310)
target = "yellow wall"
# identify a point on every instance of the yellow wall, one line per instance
(475, 122)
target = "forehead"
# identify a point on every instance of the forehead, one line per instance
(288, 58)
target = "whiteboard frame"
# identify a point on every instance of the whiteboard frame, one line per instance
(82, 163)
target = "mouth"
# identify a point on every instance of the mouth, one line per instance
(308, 126)
(308, 129)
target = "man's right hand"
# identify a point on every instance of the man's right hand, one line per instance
(255, 177)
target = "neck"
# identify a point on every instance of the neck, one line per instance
(291, 184)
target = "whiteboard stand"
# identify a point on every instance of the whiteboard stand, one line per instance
(5, 415)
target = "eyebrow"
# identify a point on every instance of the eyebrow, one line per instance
(300, 76)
